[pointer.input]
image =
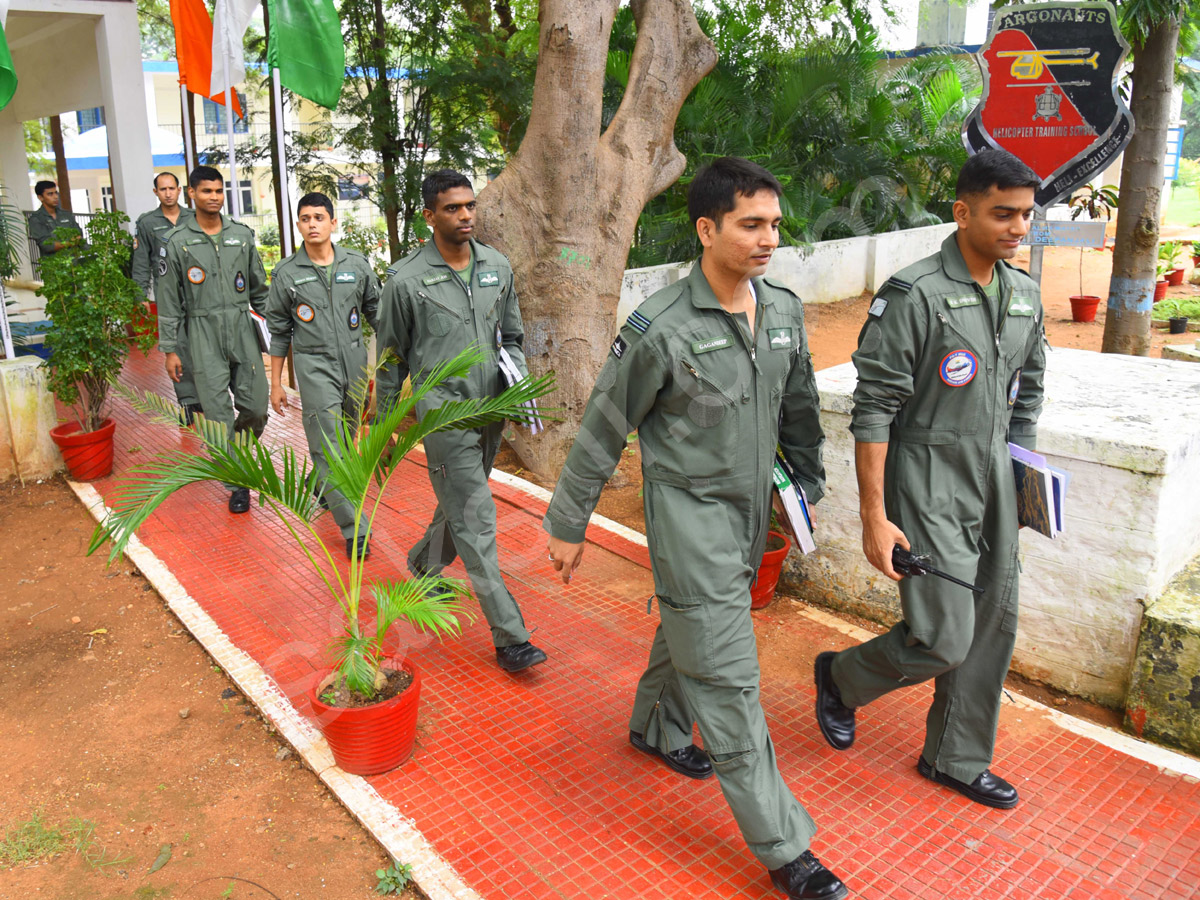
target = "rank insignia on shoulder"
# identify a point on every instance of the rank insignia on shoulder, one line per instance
(619, 347)
(638, 322)
(899, 283)
(435, 279)
(239, 283)
(353, 320)
(878, 307)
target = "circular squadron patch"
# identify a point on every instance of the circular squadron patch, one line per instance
(305, 313)
(958, 368)
(195, 275)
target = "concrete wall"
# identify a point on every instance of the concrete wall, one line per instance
(820, 273)
(1128, 431)
(26, 416)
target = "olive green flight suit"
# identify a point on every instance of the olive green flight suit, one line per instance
(209, 287)
(947, 379)
(710, 404)
(319, 312)
(428, 315)
(150, 233)
(42, 226)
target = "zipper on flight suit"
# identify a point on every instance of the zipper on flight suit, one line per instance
(453, 312)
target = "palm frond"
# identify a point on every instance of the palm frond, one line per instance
(429, 603)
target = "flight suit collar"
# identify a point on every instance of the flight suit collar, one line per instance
(704, 298)
(955, 266)
(193, 223)
(432, 256)
(339, 256)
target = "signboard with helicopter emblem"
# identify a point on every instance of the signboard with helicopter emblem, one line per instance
(1050, 96)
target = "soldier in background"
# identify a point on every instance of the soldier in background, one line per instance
(48, 218)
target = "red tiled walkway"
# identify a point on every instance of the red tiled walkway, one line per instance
(527, 786)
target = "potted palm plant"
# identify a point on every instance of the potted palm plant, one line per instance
(367, 705)
(89, 301)
(1097, 202)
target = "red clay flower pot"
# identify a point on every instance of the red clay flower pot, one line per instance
(371, 740)
(88, 454)
(1083, 308)
(1160, 290)
(1175, 277)
(763, 589)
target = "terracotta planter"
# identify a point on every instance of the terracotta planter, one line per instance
(371, 740)
(1160, 290)
(88, 454)
(1083, 308)
(1196, 261)
(1175, 277)
(762, 591)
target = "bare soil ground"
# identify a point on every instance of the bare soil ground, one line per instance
(113, 716)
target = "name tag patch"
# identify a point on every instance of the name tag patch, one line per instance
(959, 302)
(711, 344)
(435, 279)
(195, 275)
(958, 368)
(619, 347)
(305, 313)
(345, 278)
(780, 338)
(1020, 307)
(489, 279)
(304, 280)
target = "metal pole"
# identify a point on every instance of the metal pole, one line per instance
(285, 214)
(7, 332)
(1035, 252)
(235, 206)
(189, 152)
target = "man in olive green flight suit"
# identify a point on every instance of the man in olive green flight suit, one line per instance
(150, 233)
(950, 365)
(209, 278)
(319, 297)
(48, 218)
(714, 373)
(452, 294)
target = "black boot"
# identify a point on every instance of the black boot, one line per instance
(834, 717)
(519, 656)
(804, 878)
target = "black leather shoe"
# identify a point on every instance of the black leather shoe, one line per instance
(690, 761)
(364, 547)
(988, 789)
(804, 878)
(519, 656)
(239, 500)
(835, 718)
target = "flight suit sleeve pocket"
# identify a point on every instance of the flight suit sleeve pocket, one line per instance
(687, 628)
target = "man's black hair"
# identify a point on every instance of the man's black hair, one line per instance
(316, 198)
(715, 189)
(161, 174)
(440, 181)
(989, 169)
(42, 186)
(204, 173)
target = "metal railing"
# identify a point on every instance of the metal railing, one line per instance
(35, 249)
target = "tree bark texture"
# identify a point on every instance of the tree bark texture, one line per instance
(1131, 288)
(566, 207)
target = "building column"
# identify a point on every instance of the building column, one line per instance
(14, 175)
(119, 52)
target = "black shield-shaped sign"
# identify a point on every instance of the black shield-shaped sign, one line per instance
(1050, 93)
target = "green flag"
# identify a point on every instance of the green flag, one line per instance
(8, 72)
(305, 44)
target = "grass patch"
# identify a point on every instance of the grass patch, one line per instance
(1184, 206)
(29, 842)
(1172, 308)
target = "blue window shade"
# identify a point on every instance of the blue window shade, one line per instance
(89, 118)
(214, 117)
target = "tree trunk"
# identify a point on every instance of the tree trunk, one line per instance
(60, 163)
(566, 208)
(384, 127)
(1131, 289)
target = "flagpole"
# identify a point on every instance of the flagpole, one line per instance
(285, 235)
(189, 152)
(235, 206)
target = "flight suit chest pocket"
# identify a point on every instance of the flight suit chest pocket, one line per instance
(1019, 325)
(951, 397)
(441, 312)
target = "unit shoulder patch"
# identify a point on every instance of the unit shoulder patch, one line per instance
(619, 346)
